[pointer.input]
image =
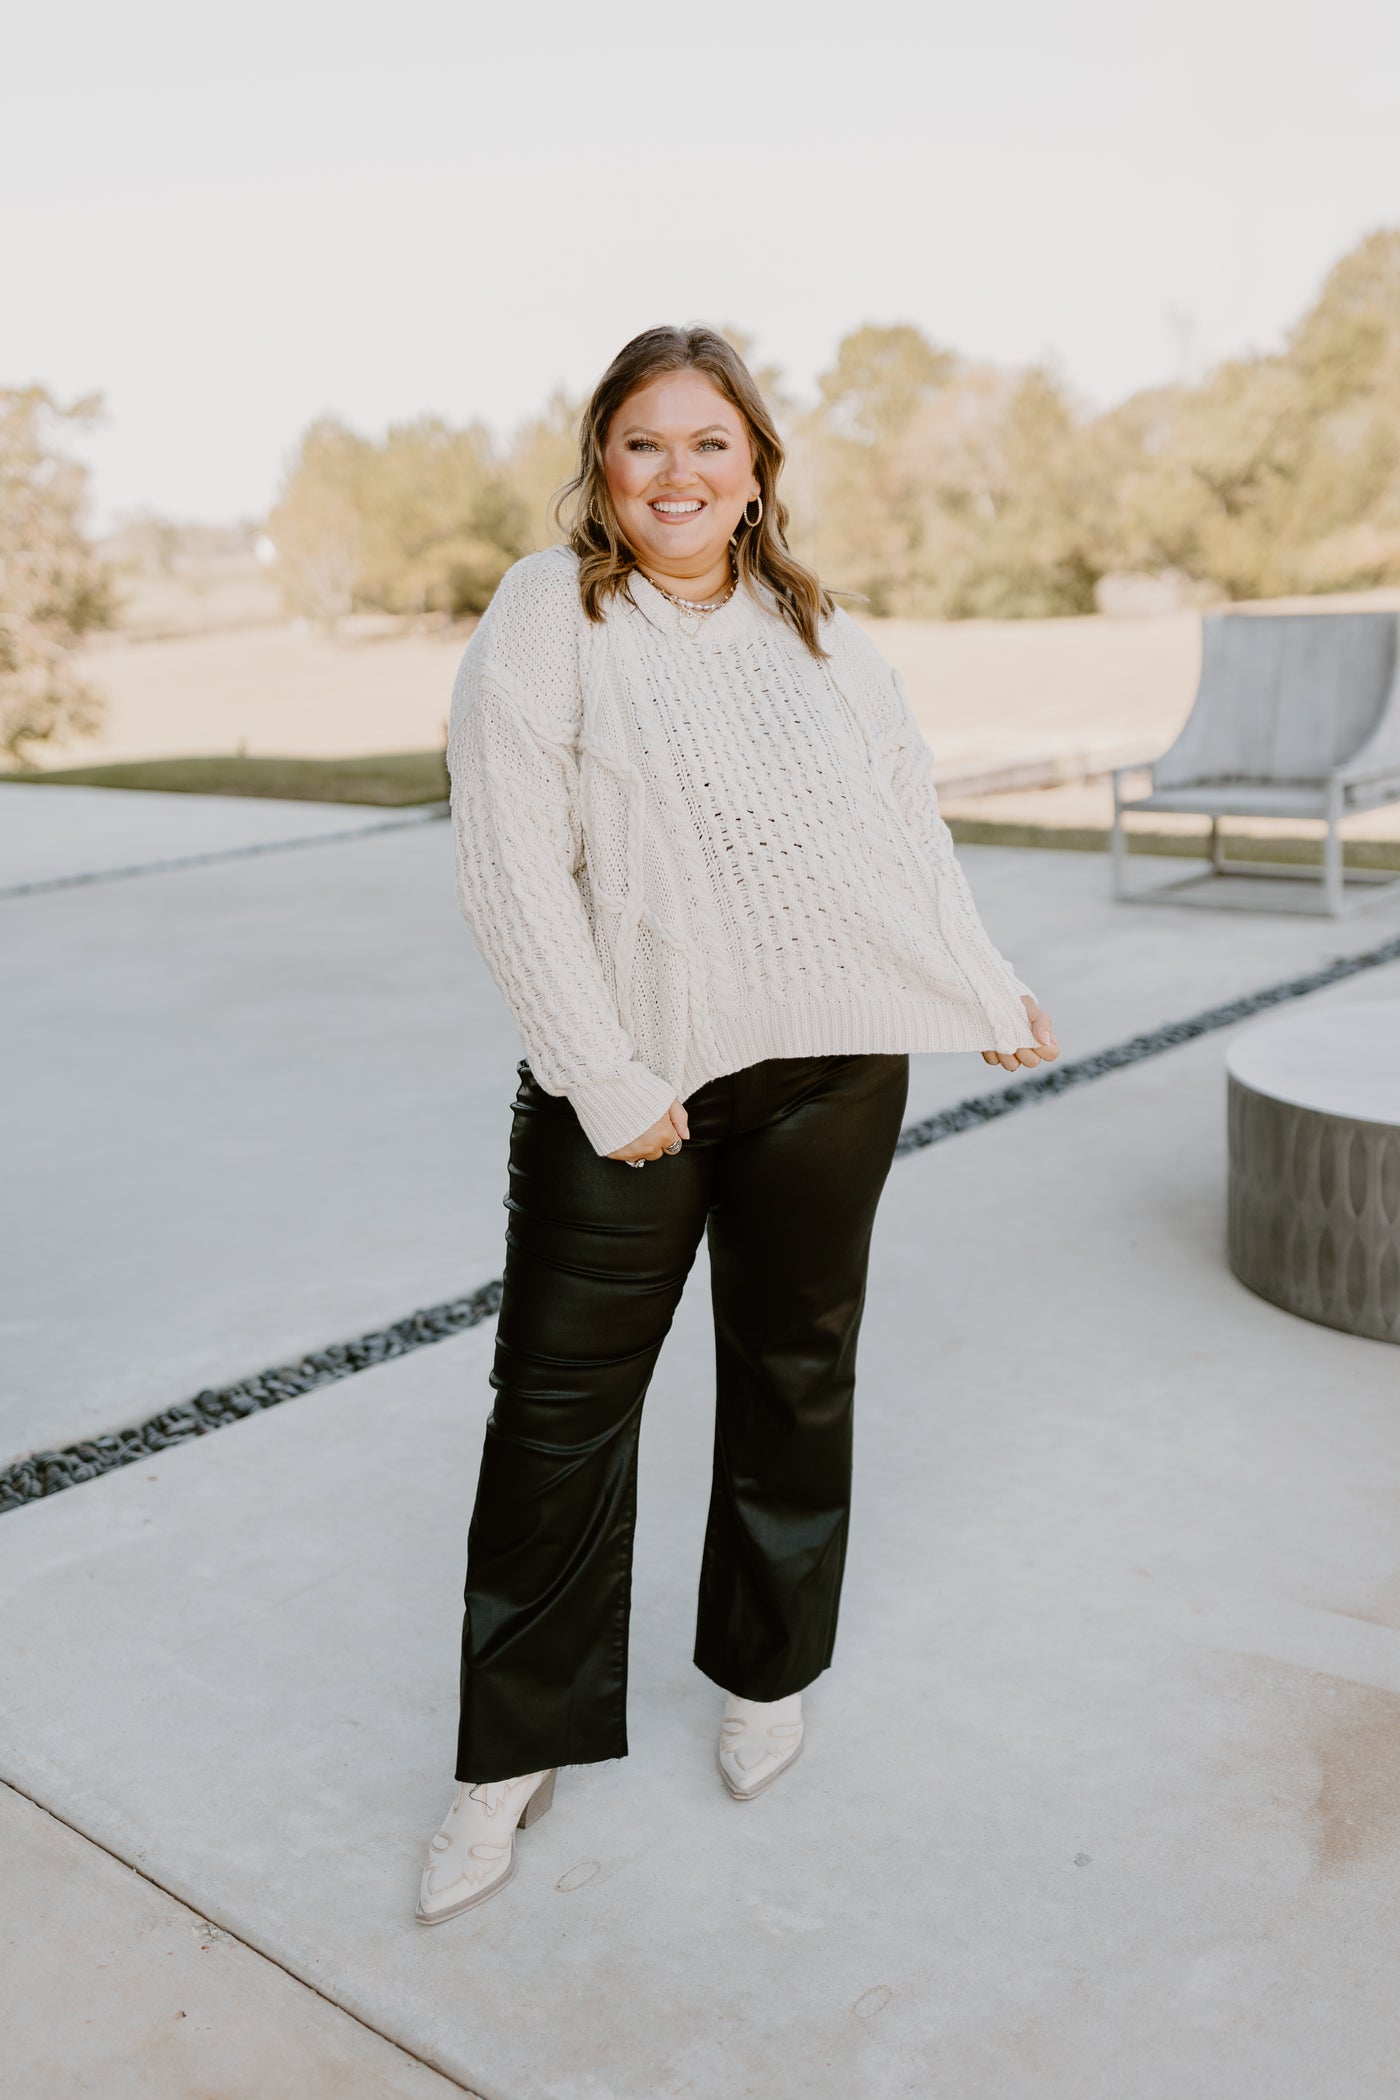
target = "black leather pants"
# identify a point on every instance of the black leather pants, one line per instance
(783, 1171)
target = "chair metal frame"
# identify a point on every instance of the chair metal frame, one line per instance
(1318, 702)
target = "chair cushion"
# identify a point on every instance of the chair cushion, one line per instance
(1241, 798)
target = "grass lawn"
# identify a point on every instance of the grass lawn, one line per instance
(389, 780)
(400, 779)
(1300, 852)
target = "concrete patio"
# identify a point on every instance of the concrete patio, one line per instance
(1118, 1676)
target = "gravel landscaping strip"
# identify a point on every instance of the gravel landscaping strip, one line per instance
(49, 1472)
(1057, 1079)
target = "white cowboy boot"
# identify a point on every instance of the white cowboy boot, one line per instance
(758, 1741)
(473, 1853)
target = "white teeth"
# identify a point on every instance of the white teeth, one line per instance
(677, 510)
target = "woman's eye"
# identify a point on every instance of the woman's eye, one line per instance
(711, 444)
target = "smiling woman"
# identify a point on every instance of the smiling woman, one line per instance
(699, 847)
(679, 490)
(678, 477)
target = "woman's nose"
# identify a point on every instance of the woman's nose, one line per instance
(676, 470)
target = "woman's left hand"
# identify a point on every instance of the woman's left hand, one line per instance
(1041, 1029)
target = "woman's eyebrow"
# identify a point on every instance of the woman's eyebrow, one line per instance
(645, 430)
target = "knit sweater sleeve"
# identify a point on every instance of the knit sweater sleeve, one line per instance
(906, 763)
(513, 763)
(911, 773)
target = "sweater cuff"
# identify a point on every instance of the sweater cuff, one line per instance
(614, 1111)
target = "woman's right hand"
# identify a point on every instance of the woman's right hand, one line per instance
(653, 1143)
(1042, 1028)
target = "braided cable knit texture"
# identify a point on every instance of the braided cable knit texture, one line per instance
(683, 847)
(908, 762)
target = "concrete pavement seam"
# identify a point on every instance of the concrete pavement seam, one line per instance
(205, 1917)
(433, 813)
(45, 1473)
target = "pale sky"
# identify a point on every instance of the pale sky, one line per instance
(231, 220)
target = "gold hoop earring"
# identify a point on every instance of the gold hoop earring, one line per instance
(759, 519)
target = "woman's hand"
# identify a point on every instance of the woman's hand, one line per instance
(1041, 1029)
(654, 1142)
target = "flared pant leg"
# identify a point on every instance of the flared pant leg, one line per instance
(793, 1210)
(597, 1254)
(786, 1161)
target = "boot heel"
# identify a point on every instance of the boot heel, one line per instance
(540, 1800)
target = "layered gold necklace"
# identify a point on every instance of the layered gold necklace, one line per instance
(696, 606)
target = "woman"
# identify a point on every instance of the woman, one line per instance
(700, 850)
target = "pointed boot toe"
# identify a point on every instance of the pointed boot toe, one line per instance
(472, 1855)
(758, 1741)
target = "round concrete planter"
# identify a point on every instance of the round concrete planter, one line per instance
(1314, 1115)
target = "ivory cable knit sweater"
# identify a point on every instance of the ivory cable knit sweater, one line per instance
(681, 852)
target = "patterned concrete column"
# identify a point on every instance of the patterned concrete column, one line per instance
(1314, 1121)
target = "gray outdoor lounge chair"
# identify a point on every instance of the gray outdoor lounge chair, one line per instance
(1296, 715)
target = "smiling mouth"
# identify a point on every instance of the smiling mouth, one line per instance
(677, 507)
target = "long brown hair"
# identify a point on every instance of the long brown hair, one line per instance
(606, 561)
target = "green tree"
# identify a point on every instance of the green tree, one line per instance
(947, 489)
(316, 523)
(865, 517)
(54, 588)
(1277, 473)
(542, 456)
(881, 379)
(424, 520)
(440, 519)
(1033, 557)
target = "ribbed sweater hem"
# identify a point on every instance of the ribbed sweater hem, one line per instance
(616, 1110)
(830, 1027)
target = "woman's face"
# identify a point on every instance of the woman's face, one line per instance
(679, 468)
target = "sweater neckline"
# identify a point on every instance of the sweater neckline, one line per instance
(727, 620)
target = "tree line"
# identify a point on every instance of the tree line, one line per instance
(937, 486)
(930, 484)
